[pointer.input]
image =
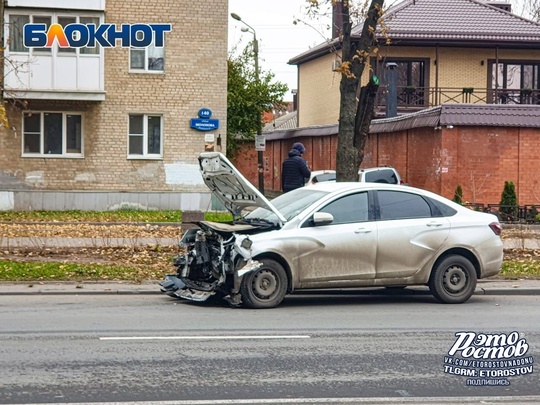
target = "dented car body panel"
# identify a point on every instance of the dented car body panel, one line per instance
(331, 235)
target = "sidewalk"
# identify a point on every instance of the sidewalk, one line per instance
(484, 287)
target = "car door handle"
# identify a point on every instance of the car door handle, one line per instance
(362, 230)
(434, 224)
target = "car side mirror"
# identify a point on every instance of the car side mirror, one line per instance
(322, 218)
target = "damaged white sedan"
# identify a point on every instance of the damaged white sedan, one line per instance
(331, 235)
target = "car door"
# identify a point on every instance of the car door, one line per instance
(409, 234)
(340, 252)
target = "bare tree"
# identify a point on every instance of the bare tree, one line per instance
(526, 8)
(356, 102)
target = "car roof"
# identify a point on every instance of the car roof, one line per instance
(331, 187)
(345, 186)
(369, 169)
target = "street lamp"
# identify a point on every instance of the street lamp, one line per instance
(260, 161)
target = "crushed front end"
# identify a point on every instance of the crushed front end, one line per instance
(213, 262)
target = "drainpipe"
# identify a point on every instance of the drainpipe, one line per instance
(436, 75)
(391, 94)
(496, 97)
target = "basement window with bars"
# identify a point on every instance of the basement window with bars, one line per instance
(145, 136)
(52, 134)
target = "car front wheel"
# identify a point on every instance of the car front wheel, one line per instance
(266, 287)
(453, 280)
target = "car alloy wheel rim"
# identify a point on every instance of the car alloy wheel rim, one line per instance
(455, 279)
(264, 284)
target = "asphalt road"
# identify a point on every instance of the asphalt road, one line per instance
(312, 349)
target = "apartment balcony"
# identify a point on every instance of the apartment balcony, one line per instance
(410, 99)
(54, 77)
(52, 72)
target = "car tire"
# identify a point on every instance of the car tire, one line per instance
(265, 287)
(453, 280)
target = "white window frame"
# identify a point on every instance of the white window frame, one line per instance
(144, 135)
(54, 20)
(145, 69)
(42, 153)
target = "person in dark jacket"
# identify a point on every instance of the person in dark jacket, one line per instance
(294, 170)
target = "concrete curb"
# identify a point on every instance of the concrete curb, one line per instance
(498, 287)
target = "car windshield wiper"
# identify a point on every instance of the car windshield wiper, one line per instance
(263, 220)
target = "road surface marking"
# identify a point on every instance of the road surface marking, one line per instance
(231, 337)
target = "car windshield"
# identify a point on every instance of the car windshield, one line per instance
(289, 204)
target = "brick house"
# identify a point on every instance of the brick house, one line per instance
(450, 55)
(95, 127)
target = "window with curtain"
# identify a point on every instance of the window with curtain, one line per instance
(149, 59)
(52, 134)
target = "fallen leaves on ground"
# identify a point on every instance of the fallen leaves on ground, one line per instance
(50, 230)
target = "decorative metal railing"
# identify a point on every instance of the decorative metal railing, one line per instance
(423, 97)
(528, 214)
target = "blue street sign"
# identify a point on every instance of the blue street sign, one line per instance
(205, 113)
(201, 124)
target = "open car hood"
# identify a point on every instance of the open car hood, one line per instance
(230, 187)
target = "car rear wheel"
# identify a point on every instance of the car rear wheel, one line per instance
(453, 280)
(265, 287)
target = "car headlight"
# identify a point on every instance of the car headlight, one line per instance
(246, 243)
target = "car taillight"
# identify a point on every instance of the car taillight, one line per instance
(496, 228)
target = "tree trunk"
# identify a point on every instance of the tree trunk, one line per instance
(356, 110)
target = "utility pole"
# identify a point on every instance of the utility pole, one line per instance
(260, 158)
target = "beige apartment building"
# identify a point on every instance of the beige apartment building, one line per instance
(100, 127)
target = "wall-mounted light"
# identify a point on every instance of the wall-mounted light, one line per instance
(482, 62)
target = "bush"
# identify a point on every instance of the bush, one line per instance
(458, 195)
(509, 203)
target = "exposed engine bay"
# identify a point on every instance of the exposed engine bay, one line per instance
(215, 259)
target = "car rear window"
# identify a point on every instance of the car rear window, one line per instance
(324, 177)
(443, 209)
(381, 176)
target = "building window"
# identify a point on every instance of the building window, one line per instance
(149, 59)
(145, 135)
(18, 21)
(52, 134)
(515, 82)
(16, 29)
(410, 80)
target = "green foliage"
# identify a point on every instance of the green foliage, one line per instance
(529, 268)
(509, 202)
(51, 271)
(532, 214)
(56, 271)
(218, 216)
(458, 195)
(247, 99)
(92, 216)
(105, 216)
